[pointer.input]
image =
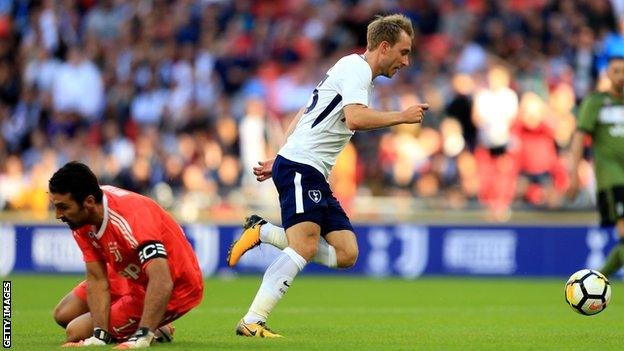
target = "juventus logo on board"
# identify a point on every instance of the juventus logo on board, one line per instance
(315, 195)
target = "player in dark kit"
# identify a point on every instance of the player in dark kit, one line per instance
(602, 117)
(141, 242)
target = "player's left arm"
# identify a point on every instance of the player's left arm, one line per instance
(147, 226)
(159, 288)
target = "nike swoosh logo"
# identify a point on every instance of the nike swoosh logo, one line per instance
(252, 332)
(286, 283)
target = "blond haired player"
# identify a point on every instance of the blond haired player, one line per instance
(315, 227)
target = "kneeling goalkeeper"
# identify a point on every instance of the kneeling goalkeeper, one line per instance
(142, 243)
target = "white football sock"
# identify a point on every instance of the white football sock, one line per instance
(276, 281)
(325, 254)
(276, 236)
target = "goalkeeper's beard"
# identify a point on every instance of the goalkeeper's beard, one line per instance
(72, 225)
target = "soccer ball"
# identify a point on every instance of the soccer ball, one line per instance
(588, 292)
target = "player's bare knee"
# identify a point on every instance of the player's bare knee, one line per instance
(311, 252)
(352, 257)
(347, 258)
(307, 251)
(79, 328)
(72, 334)
(307, 246)
(59, 316)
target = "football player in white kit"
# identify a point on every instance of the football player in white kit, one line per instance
(315, 227)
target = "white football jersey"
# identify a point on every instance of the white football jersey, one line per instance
(322, 133)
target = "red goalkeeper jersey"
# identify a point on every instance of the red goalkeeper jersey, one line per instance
(135, 228)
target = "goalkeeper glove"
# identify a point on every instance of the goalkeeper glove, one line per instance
(100, 337)
(143, 337)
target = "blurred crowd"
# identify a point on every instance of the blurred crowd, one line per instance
(179, 99)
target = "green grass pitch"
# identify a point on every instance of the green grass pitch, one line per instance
(352, 313)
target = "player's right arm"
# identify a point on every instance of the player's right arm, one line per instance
(98, 295)
(361, 117)
(588, 117)
(576, 153)
(293, 124)
(264, 169)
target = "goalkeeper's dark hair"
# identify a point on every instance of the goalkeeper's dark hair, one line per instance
(76, 179)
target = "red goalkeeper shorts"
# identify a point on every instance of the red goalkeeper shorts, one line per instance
(125, 314)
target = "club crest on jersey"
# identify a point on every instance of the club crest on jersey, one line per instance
(112, 248)
(315, 195)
